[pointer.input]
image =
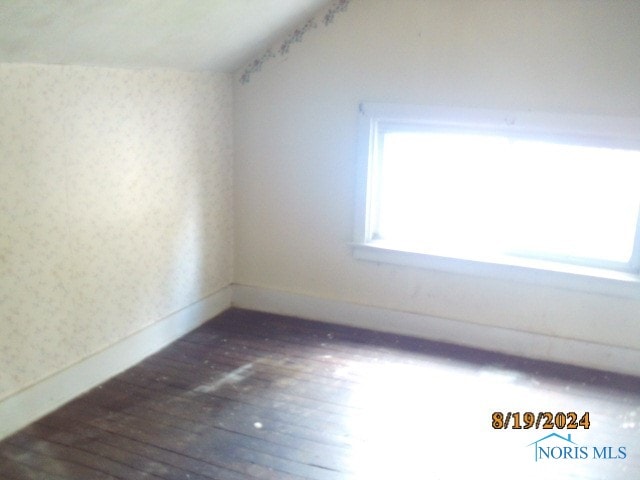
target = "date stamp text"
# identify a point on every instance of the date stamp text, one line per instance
(544, 420)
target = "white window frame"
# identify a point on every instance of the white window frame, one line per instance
(610, 132)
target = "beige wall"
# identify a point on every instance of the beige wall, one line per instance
(115, 207)
(296, 134)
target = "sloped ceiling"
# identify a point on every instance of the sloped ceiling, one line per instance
(213, 35)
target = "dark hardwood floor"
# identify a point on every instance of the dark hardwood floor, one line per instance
(257, 396)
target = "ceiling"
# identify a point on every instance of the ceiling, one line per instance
(214, 35)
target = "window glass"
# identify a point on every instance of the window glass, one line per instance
(469, 194)
(548, 192)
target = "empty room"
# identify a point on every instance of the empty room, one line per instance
(319, 239)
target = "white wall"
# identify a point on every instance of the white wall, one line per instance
(296, 133)
(115, 207)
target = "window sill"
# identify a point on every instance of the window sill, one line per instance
(583, 279)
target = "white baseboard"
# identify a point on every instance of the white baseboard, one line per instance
(514, 342)
(26, 406)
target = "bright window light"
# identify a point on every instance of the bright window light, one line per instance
(497, 188)
(470, 194)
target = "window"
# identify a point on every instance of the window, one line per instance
(478, 190)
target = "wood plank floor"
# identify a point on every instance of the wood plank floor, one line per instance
(257, 396)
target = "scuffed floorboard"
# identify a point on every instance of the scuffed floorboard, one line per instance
(257, 396)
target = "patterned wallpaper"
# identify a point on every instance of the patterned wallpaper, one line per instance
(115, 207)
(327, 17)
